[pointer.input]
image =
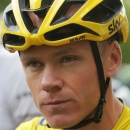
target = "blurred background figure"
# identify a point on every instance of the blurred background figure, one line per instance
(16, 103)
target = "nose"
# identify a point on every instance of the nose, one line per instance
(51, 80)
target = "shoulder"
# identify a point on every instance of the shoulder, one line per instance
(124, 120)
(38, 123)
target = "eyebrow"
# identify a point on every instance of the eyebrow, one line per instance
(29, 58)
(60, 52)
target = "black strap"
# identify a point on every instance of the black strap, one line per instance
(103, 84)
(98, 61)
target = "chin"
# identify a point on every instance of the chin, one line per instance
(62, 123)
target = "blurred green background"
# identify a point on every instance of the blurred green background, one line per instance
(125, 48)
(3, 4)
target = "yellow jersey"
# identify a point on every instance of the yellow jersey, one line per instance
(124, 120)
(40, 123)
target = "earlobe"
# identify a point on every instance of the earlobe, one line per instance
(115, 58)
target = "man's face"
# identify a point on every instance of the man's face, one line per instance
(63, 81)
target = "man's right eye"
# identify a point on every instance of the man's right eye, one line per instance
(35, 64)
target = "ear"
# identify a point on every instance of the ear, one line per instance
(114, 59)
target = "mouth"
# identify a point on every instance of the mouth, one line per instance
(55, 104)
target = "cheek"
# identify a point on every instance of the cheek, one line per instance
(34, 84)
(86, 86)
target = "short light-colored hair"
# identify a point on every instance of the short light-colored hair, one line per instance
(103, 44)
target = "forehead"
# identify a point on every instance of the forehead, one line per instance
(57, 50)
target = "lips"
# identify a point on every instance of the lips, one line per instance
(48, 102)
(56, 102)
